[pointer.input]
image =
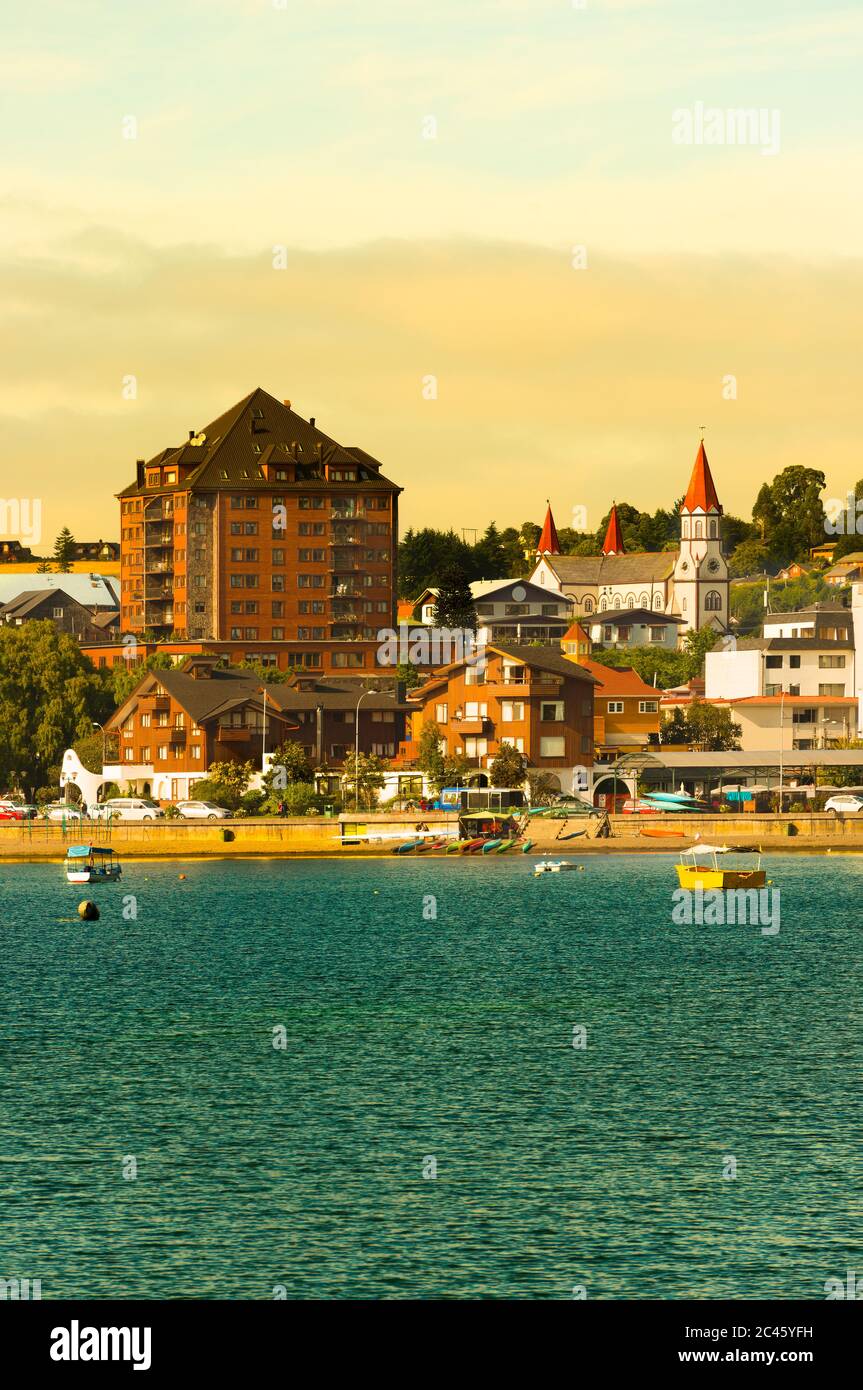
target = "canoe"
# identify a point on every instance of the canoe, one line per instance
(408, 846)
(573, 835)
(430, 844)
(490, 845)
(470, 846)
(526, 846)
(504, 846)
(662, 834)
(454, 846)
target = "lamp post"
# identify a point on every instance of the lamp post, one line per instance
(357, 751)
(781, 733)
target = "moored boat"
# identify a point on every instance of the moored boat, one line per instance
(490, 845)
(91, 864)
(709, 875)
(554, 866)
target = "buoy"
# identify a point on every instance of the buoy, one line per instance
(88, 912)
(182, 875)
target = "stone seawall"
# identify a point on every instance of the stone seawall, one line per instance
(313, 836)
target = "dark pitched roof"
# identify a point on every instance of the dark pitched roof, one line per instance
(544, 659)
(624, 616)
(29, 599)
(226, 454)
(643, 567)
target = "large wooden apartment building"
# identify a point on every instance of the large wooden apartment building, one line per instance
(262, 532)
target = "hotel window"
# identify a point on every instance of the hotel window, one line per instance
(773, 663)
(278, 609)
(441, 714)
(196, 751)
(278, 583)
(314, 557)
(831, 663)
(311, 504)
(511, 711)
(145, 754)
(794, 663)
(552, 747)
(278, 634)
(831, 690)
(278, 557)
(804, 716)
(549, 610)
(474, 675)
(312, 528)
(163, 752)
(615, 707)
(551, 711)
(647, 706)
(236, 634)
(352, 659)
(476, 747)
(514, 610)
(310, 581)
(383, 716)
(171, 476)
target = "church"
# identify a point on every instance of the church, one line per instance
(690, 583)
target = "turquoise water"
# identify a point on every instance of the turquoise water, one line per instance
(409, 1038)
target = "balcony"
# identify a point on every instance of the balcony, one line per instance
(538, 684)
(152, 566)
(156, 702)
(464, 727)
(178, 735)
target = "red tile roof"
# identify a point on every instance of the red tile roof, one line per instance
(701, 494)
(619, 680)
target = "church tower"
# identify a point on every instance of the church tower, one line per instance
(700, 573)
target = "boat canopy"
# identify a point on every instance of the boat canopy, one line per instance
(707, 849)
(84, 851)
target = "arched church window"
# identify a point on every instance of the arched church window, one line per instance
(713, 602)
(644, 601)
(684, 528)
(683, 606)
(713, 530)
(657, 601)
(588, 605)
(617, 600)
(698, 532)
(630, 602)
(603, 605)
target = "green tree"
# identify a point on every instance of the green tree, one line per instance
(749, 557)
(364, 777)
(454, 607)
(64, 551)
(790, 514)
(225, 783)
(89, 749)
(290, 765)
(425, 554)
(122, 678)
(508, 768)
(410, 675)
(543, 788)
(430, 759)
(696, 645)
(49, 697)
(705, 728)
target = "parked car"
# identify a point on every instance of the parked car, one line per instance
(127, 808)
(14, 810)
(202, 810)
(847, 804)
(63, 810)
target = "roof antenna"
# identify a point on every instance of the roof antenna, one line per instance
(702, 428)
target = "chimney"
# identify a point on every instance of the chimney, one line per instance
(191, 434)
(139, 468)
(312, 421)
(287, 404)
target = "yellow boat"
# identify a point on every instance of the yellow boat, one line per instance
(709, 876)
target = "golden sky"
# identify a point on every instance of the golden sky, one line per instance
(258, 125)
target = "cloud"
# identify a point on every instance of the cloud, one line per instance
(551, 381)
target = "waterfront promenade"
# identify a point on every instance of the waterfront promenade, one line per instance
(321, 836)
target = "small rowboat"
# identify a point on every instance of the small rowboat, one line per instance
(662, 834)
(490, 845)
(554, 866)
(408, 846)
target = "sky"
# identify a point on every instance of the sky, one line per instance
(506, 246)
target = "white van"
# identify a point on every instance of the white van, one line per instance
(126, 808)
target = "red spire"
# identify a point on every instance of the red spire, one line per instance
(701, 494)
(548, 542)
(613, 543)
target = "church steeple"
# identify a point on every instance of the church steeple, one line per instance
(701, 493)
(613, 543)
(548, 542)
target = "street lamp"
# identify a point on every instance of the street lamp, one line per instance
(357, 751)
(781, 733)
(97, 725)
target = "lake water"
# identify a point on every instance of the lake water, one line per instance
(410, 1039)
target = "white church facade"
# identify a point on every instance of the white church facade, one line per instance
(691, 582)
